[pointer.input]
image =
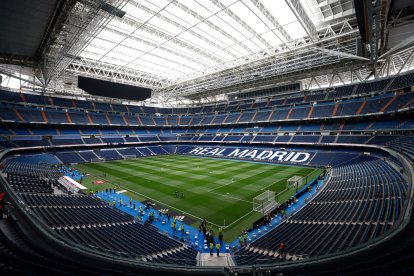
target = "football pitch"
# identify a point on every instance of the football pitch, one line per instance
(221, 191)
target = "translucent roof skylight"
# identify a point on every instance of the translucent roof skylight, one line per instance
(173, 39)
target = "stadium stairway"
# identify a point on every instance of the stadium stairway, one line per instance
(192, 239)
(224, 259)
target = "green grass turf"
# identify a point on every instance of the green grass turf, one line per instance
(216, 189)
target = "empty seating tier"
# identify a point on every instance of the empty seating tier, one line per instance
(132, 240)
(29, 169)
(361, 201)
(30, 184)
(58, 200)
(66, 216)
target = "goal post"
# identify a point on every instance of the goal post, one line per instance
(265, 202)
(129, 156)
(94, 160)
(294, 182)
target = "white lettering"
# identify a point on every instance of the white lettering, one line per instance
(204, 151)
(237, 153)
(279, 155)
(220, 152)
(213, 152)
(195, 151)
(292, 156)
(297, 156)
(289, 156)
(251, 154)
(264, 154)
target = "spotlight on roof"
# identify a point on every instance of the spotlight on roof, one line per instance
(112, 10)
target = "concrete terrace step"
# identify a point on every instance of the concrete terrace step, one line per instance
(225, 259)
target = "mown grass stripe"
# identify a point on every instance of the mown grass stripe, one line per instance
(232, 184)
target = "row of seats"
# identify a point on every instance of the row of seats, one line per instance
(85, 220)
(29, 184)
(360, 202)
(363, 88)
(68, 216)
(367, 216)
(359, 106)
(402, 144)
(132, 240)
(18, 167)
(19, 256)
(43, 158)
(397, 260)
(37, 199)
(156, 135)
(33, 136)
(69, 157)
(316, 157)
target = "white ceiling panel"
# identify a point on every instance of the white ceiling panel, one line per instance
(111, 36)
(116, 61)
(252, 44)
(281, 11)
(207, 5)
(176, 19)
(257, 42)
(137, 13)
(89, 55)
(245, 14)
(141, 46)
(97, 49)
(176, 58)
(231, 26)
(272, 38)
(175, 39)
(240, 49)
(128, 51)
(158, 60)
(200, 9)
(209, 32)
(167, 27)
(295, 30)
(182, 14)
(103, 44)
(121, 26)
(152, 37)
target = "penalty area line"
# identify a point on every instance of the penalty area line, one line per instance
(237, 220)
(236, 198)
(160, 202)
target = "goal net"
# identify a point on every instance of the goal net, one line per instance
(265, 202)
(93, 160)
(294, 182)
(130, 156)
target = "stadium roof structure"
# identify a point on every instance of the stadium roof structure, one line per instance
(194, 49)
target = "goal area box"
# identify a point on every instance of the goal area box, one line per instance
(265, 202)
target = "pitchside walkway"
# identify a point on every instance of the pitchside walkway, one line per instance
(301, 202)
(194, 238)
(205, 259)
